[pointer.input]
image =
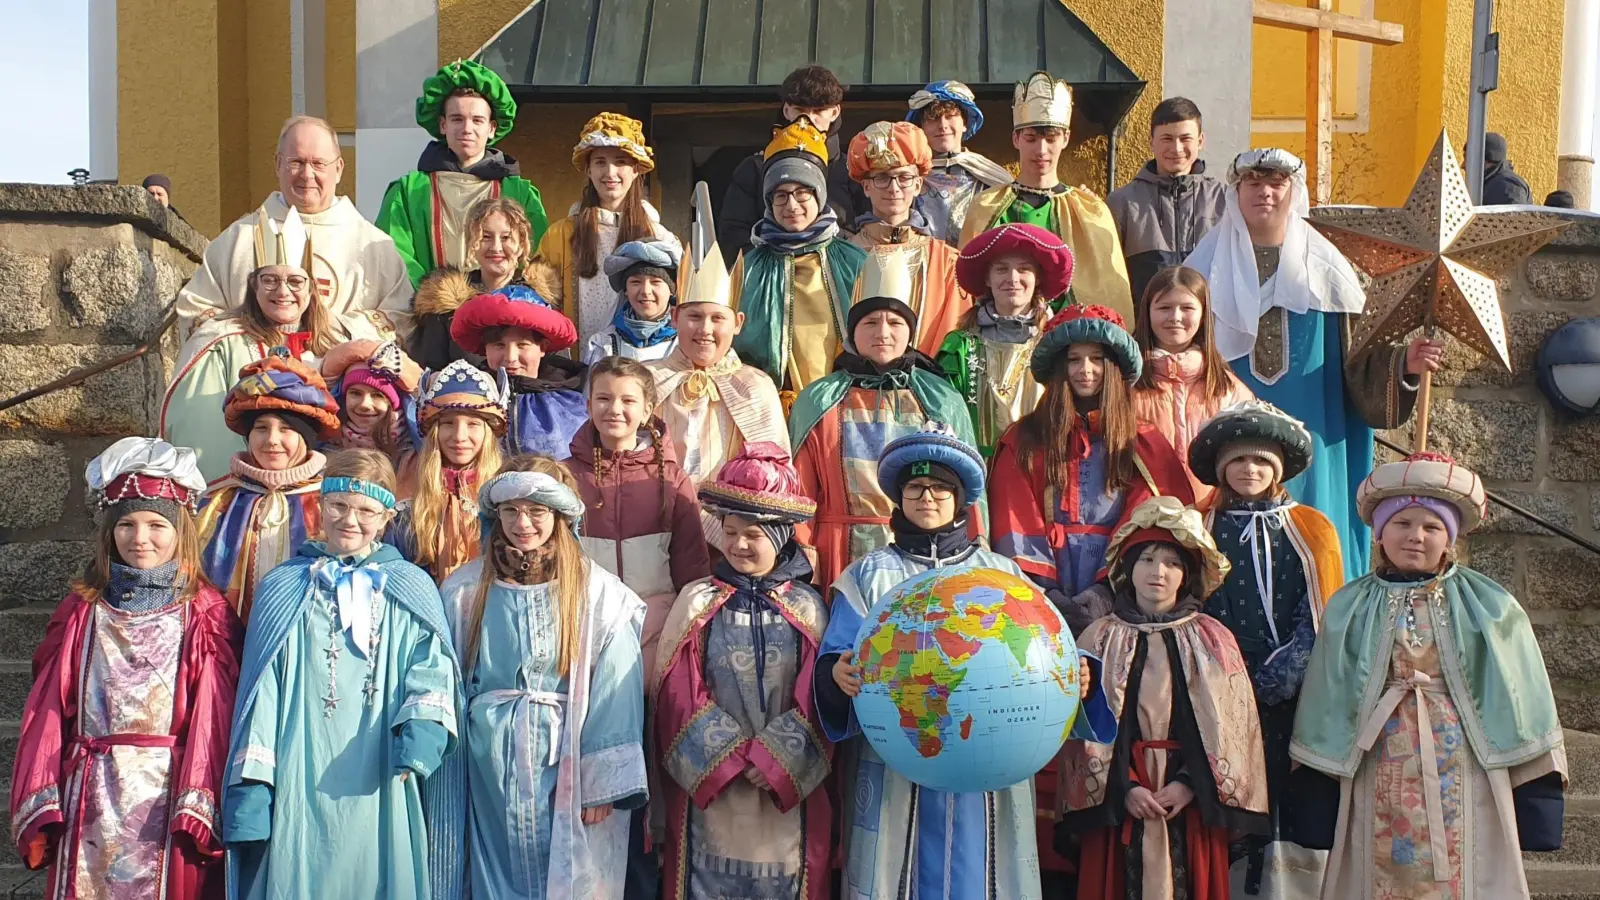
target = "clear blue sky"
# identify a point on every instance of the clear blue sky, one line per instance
(44, 58)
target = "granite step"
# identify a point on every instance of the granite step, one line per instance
(1548, 881)
(1580, 839)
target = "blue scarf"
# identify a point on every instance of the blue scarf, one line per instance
(642, 332)
(768, 233)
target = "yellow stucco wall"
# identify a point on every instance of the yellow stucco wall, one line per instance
(1421, 85)
(1134, 31)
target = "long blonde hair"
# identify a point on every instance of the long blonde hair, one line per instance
(91, 583)
(429, 502)
(569, 572)
(316, 319)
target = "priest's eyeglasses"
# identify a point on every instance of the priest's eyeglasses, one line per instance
(318, 166)
(296, 283)
(915, 491)
(902, 180)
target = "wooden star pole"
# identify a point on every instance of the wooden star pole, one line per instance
(1435, 264)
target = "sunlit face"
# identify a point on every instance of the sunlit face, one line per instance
(892, 192)
(145, 539)
(1415, 540)
(527, 525)
(274, 445)
(705, 331)
(1175, 319)
(499, 249)
(1157, 576)
(821, 116)
(364, 406)
(1176, 146)
(612, 172)
(794, 207)
(160, 193)
(352, 522)
(468, 124)
(1013, 278)
(461, 436)
(1086, 369)
(649, 296)
(1251, 476)
(517, 350)
(309, 166)
(283, 293)
(747, 547)
(618, 408)
(882, 337)
(1039, 149)
(1264, 200)
(944, 132)
(929, 503)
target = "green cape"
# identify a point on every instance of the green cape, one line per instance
(764, 300)
(407, 217)
(1491, 661)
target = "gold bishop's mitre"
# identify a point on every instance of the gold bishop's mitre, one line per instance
(1041, 102)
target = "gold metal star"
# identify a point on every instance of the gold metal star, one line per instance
(1435, 261)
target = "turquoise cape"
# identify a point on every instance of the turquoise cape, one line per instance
(280, 603)
(1491, 663)
(939, 400)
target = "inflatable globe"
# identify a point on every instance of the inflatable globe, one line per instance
(969, 679)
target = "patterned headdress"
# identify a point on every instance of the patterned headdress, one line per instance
(617, 131)
(513, 306)
(140, 473)
(882, 146)
(759, 484)
(1167, 519)
(380, 366)
(949, 92)
(461, 386)
(1254, 422)
(279, 384)
(935, 445)
(1429, 476)
(1087, 325)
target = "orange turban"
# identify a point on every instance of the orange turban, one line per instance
(889, 145)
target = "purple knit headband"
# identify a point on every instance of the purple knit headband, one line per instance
(1445, 510)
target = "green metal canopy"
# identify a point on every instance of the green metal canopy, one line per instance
(571, 49)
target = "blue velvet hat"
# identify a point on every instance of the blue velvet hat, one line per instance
(1087, 325)
(935, 445)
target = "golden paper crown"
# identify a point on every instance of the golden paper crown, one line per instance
(887, 272)
(285, 243)
(799, 135)
(1041, 102)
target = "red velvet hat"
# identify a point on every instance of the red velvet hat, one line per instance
(1050, 253)
(515, 306)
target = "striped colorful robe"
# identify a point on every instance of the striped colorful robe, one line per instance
(247, 528)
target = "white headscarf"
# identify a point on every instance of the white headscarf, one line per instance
(1312, 273)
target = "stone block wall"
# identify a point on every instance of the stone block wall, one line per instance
(1501, 426)
(86, 274)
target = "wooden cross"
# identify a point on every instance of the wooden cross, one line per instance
(1321, 25)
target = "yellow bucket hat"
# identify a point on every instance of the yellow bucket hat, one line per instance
(613, 130)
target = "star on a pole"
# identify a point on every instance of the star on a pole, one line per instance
(1435, 260)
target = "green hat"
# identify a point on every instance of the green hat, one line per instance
(464, 73)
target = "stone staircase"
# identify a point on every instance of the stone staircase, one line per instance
(1573, 873)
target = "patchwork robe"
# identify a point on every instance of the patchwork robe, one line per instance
(542, 746)
(936, 298)
(247, 528)
(1185, 711)
(726, 837)
(122, 747)
(317, 721)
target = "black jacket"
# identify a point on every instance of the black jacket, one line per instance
(743, 204)
(1502, 184)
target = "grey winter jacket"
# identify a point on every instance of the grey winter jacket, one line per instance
(1161, 218)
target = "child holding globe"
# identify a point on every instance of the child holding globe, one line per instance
(974, 844)
(746, 811)
(1185, 774)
